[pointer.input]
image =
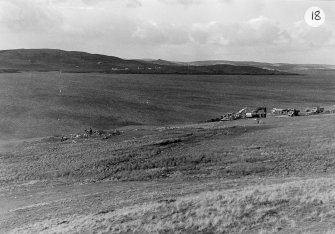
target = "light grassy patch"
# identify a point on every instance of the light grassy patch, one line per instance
(257, 209)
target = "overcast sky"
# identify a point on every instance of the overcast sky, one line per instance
(180, 30)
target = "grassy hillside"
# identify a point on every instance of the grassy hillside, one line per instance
(234, 177)
(43, 104)
(289, 207)
(225, 150)
(81, 62)
(277, 66)
(52, 59)
(163, 170)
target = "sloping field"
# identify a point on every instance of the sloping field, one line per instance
(44, 104)
(161, 170)
(302, 206)
(233, 177)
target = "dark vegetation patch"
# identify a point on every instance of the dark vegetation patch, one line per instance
(9, 70)
(169, 141)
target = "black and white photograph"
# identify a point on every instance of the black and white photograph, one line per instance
(167, 116)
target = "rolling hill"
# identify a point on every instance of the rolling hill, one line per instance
(287, 67)
(74, 61)
(52, 59)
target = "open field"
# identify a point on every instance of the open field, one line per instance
(233, 177)
(300, 206)
(156, 168)
(44, 104)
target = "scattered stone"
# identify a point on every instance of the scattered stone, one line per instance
(64, 138)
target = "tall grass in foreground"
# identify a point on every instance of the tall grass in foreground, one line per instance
(287, 207)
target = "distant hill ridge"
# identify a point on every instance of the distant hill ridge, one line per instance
(288, 67)
(76, 61)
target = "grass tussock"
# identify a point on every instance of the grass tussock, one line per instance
(261, 209)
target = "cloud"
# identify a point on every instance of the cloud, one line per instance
(152, 33)
(128, 3)
(182, 2)
(257, 31)
(158, 28)
(133, 3)
(93, 2)
(312, 37)
(21, 16)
